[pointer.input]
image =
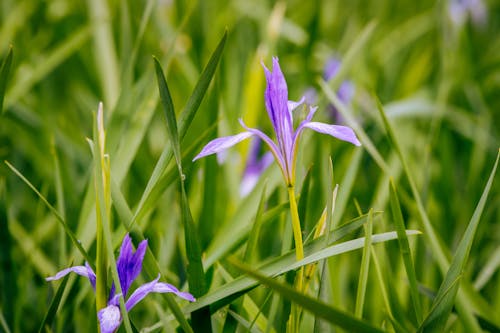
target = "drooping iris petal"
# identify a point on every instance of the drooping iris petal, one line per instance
(220, 144)
(154, 286)
(340, 132)
(162, 287)
(110, 318)
(80, 270)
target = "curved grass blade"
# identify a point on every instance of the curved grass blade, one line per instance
(365, 267)
(447, 292)
(51, 312)
(464, 302)
(185, 120)
(287, 263)
(404, 247)
(196, 275)
(319, 309)
(194, 101)
(54, 211)
(4, 76)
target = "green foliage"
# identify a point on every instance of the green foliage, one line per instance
(425, 108)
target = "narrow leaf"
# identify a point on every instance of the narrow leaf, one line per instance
(404, 247)
(365, 266)
(447, 292)
(51, 312)
(4, 76)
(200, 89)
(168, 107)
(319, 309)
(70, 233)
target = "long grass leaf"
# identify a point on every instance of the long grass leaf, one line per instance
(319, 309)
(404, 247)
(196, 275)
(51, 312)
(445, 297)
(4, 76)
(54, 211)
(287, 263)
(433, 238)
(365, 267)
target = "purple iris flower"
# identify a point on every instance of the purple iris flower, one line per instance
(255, 166)
(129, 265)
(460, 9)
(279, 109)
(345, 91)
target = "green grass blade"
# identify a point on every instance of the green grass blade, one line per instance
(354, 124)
(192, 105)
(445, 297)
(51, 312)
(435, 243)
(168, 107)
(196, 275)
(4, 76)
(54, 211)
(404, 247)
(365, 267)
(8, 292)
(385, 294)
(105, 253)
(287, 263)
(38, 71)
(251, 250)
(319, 309)
(185, 119)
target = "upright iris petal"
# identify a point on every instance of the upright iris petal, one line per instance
(279, 109)
(129, 265)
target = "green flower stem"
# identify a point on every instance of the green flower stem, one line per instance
(293, 324)
(101, 264)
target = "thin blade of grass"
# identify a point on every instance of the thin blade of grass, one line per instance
(4, 76)
(365, 267)
(447, 292)
(250, 255)
(319, 309)
(287, 263)
(59, 218)
(194, 101)
(404, 247)
(196, 275)
(105, 253)
(186, 117)
(39, 70)
(51, 312)
(435, 243)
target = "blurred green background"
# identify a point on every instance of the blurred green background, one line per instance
(434, 65)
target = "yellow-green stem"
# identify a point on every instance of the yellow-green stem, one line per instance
(299, 253)
(101, 263)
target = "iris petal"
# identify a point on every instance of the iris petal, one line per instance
(220, 144)
(110, 318)
(80, 270)
(340, 132)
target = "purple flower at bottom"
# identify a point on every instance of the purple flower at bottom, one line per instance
(279, 109)
(129, 265)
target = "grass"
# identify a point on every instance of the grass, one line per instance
(408, 241)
